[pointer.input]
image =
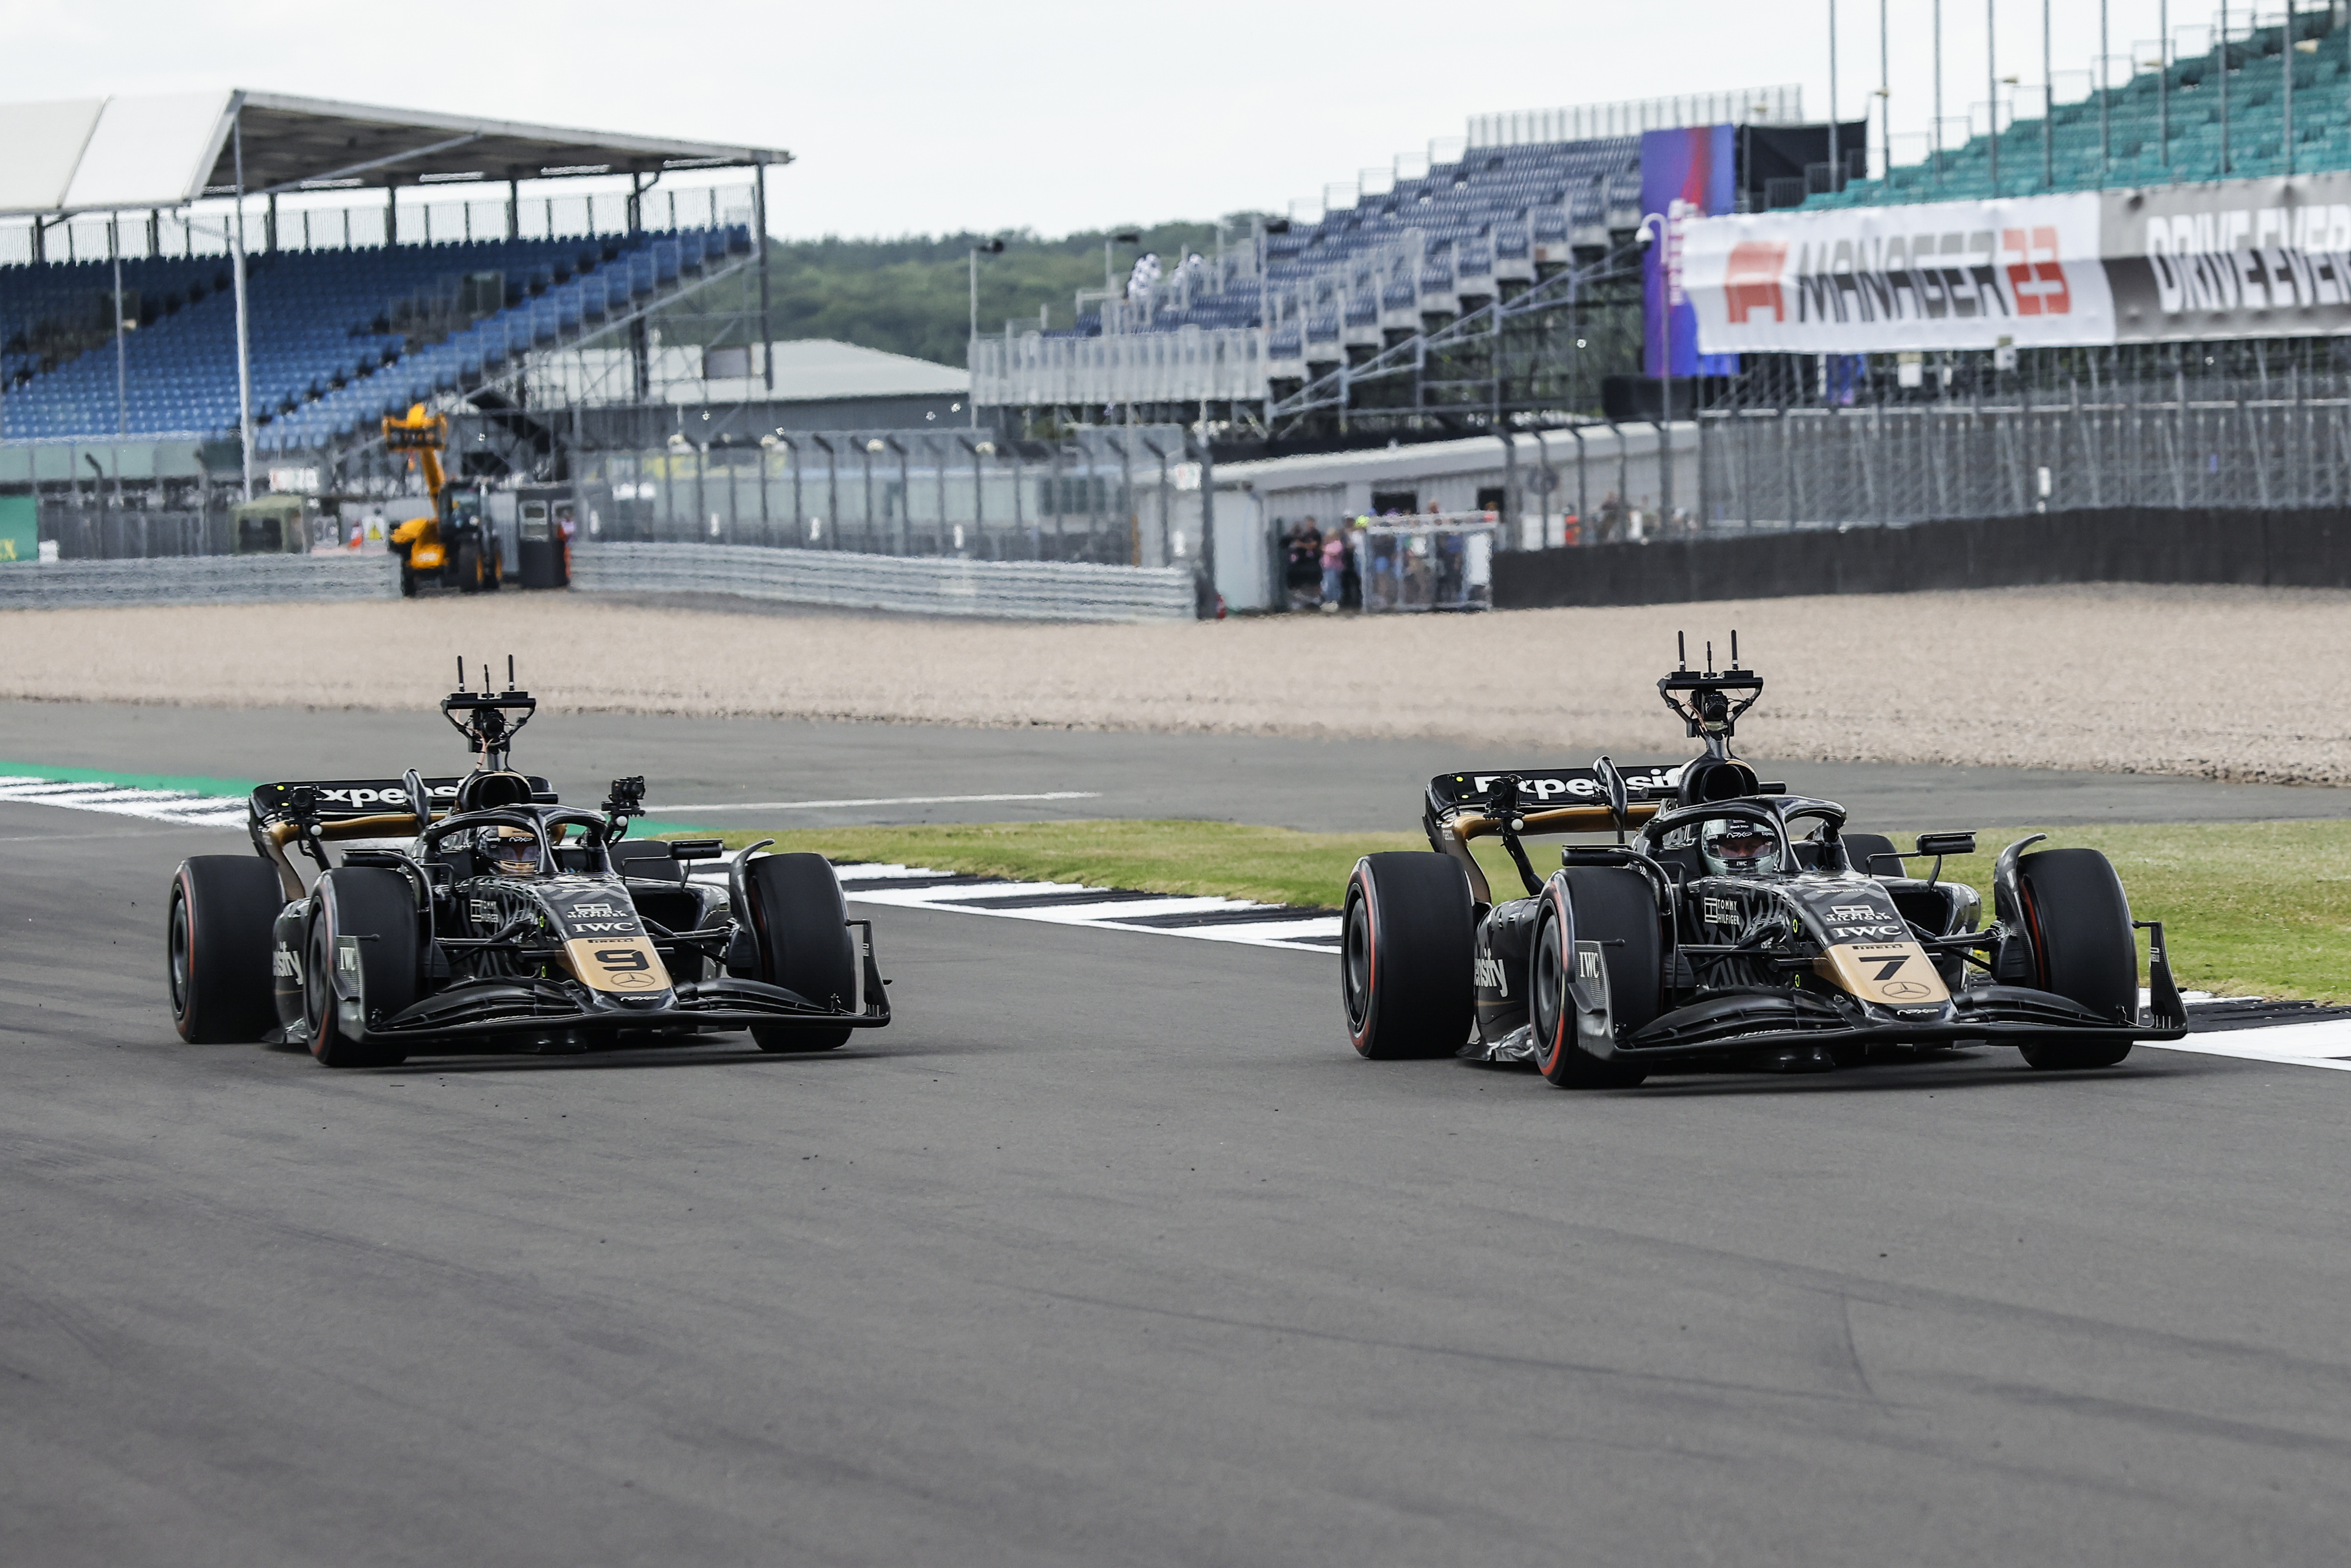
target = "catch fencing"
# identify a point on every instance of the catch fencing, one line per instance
(1017, 590)
(2221, 427)
(1124, 496)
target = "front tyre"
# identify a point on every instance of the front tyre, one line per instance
(375, 907)
(2079, 923)
(1612, 907)
(218, 946)
(469, 567)
(1406, 969)
(802, 930)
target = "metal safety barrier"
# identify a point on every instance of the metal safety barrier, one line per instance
(1007, 590)
(199, 580)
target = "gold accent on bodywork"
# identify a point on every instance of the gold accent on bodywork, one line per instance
(1555, 819)
(623, 966)
(1894, 974)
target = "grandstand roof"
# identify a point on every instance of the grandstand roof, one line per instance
(100, 154)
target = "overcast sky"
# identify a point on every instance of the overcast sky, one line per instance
(929, 117)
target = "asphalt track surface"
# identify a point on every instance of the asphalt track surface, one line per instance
(1108, 1250)
(1336, 784)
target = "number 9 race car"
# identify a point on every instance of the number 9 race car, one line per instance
(1739, 925)
(503, 921)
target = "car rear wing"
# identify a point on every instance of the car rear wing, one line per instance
(1455, 794)
(344, 799)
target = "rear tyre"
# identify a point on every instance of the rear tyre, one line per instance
(376, 906)
(469, 567)
(217, 946)
(801, 929)
(1404, 972)
(407, 580)
(1615, 907)
(2083, 948)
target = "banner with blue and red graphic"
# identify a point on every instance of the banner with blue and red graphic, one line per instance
(1687, 172)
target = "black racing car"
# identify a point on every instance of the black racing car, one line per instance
(1739, 925)
(503, 921)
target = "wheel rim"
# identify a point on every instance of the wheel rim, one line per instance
(1358, 963)
(319, 980)
(1544, 985)
(179, 949)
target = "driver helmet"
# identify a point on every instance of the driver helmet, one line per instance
(509, 852)
(1734, 846)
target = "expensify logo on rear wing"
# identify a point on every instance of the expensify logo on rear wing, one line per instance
(341, 798)
(1539, 788)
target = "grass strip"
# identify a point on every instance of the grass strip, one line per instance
(2249, 907)
(232, 788)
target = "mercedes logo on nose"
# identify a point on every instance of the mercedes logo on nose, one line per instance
(1905, 990)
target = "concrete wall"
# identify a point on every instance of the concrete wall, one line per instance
(2299, 550)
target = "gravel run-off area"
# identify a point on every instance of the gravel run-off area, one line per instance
(2222, 682)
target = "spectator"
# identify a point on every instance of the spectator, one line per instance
(1334, 570)
(1303, 574)
(1612, 518)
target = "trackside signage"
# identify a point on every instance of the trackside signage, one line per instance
(1949, 275)
(2238, 259)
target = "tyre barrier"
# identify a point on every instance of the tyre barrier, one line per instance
(921, 585)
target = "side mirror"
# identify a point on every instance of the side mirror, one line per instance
(1947, 843)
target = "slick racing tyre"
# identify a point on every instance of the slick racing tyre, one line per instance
(376, 906)
(2079, 924)
(801, 929)
(1593, 903)
(1405, 970)
(217, 944)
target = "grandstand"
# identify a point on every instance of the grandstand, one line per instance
(339, 339)
(1523, 199)
(2221, 114)
(191, 318)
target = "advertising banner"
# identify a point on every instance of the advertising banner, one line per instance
(1943, 275)
(1687, 173)
(2234, 259)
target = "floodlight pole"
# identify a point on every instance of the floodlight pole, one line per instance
(2105, 134)
(2163, 78)
(2287, 54)
(759, 221)
(1836, 163)
(243, 320)
(2048, 108)
(1991, 93)
(2222, 51)
(121, 394)
(1655, 225)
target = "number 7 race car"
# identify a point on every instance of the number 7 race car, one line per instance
(1739, 925)
(503, 921)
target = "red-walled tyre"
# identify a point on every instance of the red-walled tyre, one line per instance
(2083, 949)
(217, 947)
(1405, 967)
(376, 906)
(1612, 906)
